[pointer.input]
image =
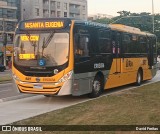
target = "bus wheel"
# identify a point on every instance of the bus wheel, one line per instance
(139, 78)
(96, 87)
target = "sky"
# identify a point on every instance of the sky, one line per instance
(111, 7)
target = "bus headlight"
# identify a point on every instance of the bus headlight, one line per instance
(15, 77)
(65, 77)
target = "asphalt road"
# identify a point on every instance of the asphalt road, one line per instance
(15, 110)
(8, 90)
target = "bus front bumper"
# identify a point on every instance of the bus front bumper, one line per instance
(45, 88)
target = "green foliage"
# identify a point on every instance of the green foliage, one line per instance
(103, 21)
(124, 13)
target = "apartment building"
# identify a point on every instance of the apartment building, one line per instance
(9, 16)
(54, 8)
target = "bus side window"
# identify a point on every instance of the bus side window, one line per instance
(126, 43)
(104, 41)
(116, 43)
(118, 40)
(76, 44)
(142, 44)
(81, 45)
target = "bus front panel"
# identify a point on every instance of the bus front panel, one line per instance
(41, 62)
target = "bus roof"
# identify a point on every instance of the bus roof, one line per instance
(92, 24)
(128, 29)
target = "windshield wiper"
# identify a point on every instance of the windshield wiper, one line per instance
(28, 36)
(47, 41)
(33, 43)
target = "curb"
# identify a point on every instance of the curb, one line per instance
(16, 97)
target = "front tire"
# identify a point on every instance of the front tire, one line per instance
(97, 87)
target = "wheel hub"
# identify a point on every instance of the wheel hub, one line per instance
(96, 86)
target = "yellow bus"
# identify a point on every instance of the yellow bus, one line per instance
(63, 56)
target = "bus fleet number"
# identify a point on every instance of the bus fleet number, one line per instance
(98, 65)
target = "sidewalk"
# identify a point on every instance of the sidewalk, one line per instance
(5, 76)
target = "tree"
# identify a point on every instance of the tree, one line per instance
(103, 21)
(124, 13)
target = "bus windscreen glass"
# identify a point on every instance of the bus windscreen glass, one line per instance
(51, 48)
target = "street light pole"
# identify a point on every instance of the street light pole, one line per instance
(4, 45)
(153, 14)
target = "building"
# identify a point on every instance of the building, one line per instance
(9, 16)
(99, 16)
(54, 8)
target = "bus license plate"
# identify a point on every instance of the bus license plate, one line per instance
(38, 86)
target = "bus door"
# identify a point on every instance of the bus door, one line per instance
(116, 48)
(152, 52)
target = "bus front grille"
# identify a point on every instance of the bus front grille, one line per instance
(45, 90)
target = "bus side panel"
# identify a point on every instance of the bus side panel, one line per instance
(92, 54)
(123, 77)
(128, 72)
(83, 82)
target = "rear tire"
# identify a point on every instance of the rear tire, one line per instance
(97, 87)
(139, 78)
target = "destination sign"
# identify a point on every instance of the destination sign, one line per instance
(29, 38)
(43, 25)
(26, 56)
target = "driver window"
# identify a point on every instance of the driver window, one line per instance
(81, 45)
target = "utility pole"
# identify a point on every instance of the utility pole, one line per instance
(4, 43)
(153, 14)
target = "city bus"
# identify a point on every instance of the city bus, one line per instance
(64, 56)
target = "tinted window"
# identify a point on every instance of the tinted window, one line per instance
(81, 41)
(142, 47)
(126, 41)
(104, 42)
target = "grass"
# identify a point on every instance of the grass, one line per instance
(140, 106)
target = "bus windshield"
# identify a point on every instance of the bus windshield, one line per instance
(52, 47)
